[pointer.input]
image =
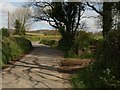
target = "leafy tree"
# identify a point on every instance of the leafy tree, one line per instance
(64, 16)
(17, 27)
(108, 59)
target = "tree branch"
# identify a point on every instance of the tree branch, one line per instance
(93, 7)
(78, 19)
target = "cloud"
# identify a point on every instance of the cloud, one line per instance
(8, 5)
(90, 13)
(42, 25)
(5, 7)
(91, 22)
(6, 1)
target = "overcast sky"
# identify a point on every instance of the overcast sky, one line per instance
(11, 5)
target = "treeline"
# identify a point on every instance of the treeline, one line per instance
(46, 32)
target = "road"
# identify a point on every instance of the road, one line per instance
(38, 69)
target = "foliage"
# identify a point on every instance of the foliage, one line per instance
(5, 32)
(17, 27)
(32, 38)
(104, 73)
(82, 56)
(5, 49)
(86, 78)
(109, 58)
(82, 43)
(64, 16)
(23, 31)
(38, 37)
(13, 47)
(44, 32)
(49, 42)
(82, 40)
(87, 55)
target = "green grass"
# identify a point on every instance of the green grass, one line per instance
(76, 82)
(13, 47)
(82, 56)
(49, 42)
(33, 38)
(86, 78)
(38, 37)
(87, 55)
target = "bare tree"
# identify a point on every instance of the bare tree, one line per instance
(23, 16)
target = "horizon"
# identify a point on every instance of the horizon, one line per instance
(11, 7)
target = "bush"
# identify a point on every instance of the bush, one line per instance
(104, 73)
(6, 55)
(33, 38)
(48, 42)
(81, 45)
(5, 32)
(108, 59)
(21, 43)
(82, 40)
(86, 78)
(14, 47)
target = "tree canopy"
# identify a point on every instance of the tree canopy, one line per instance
(64, 16)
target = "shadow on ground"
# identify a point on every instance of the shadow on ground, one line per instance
(38, 69)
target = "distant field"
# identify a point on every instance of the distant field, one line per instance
(39, 36)
(97, 37)
(34, 34)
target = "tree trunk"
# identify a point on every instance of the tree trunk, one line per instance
(107, 17)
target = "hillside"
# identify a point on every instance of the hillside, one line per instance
(45, 32)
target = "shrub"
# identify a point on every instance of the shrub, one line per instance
(4, 32)
(21, 43)
(81, 43)
(32, 38)
(14, 47)
(104, 73)
(86, 78)
(108, 59)
(17, 27)
(6, 53)
(49, 42)
(82, 40)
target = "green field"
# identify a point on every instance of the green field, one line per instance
(39, 36)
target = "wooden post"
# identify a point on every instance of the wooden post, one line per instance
(8, 20)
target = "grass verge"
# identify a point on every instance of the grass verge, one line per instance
(13, 47)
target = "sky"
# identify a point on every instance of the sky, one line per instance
(11, 5)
